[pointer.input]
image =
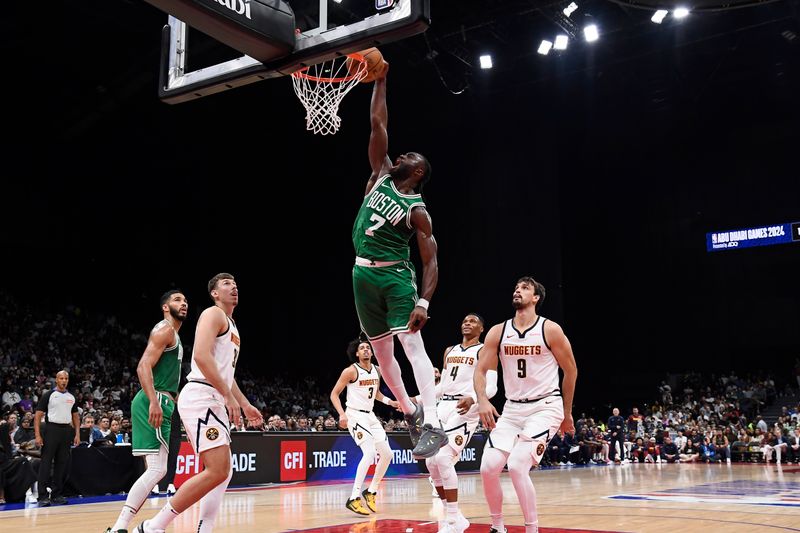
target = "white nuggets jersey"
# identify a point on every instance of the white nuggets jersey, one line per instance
(225, 352)
(361, 392)
(530, 371)
(460, 368)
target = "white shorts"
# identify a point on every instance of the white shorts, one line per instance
(459, 428)
(204, 416)
(364, 426)
(535, 423)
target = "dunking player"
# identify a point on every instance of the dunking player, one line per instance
(363, 388)
(384, 280)
(211, 391)
(458, 412)
(159, 373)
(531, 349)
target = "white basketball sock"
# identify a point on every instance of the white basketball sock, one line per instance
(423, 374)
(390, 372)
(385, 453)
(156, 469)
(519, 467)
(492, 465)
(367, 459)
(210, 504)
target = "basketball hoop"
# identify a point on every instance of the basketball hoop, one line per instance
(321, 88)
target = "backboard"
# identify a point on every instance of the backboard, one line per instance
(298, 34)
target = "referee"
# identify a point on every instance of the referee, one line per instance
(61, 430)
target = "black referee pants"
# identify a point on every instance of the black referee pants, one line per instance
(57, 441)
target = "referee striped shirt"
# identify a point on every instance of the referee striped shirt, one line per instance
(58, 406)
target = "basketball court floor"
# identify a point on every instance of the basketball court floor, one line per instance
(649, 498)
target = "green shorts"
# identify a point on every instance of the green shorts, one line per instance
(385, 297)
(146, 439)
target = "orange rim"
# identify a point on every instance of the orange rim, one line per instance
(303, 72)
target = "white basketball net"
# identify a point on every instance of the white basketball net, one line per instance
(321, 88)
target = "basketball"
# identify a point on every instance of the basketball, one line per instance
(375, 64)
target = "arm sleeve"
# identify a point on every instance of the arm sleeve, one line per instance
(491, 383)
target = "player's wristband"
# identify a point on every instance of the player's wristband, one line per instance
(422, 302)
(386, 400)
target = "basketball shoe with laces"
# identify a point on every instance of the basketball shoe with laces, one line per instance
(370, 500)
(429, 442)
(354, 504)
(414, 422)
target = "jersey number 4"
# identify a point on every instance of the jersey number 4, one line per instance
(454, 372)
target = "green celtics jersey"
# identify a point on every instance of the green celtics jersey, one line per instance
(167, 372)
(383, 224)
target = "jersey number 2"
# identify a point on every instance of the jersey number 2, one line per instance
(378, 220)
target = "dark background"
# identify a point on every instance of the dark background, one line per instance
(598, 171)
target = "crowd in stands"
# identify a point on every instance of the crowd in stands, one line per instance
(707, 421)
(101, 355)
(703, 420)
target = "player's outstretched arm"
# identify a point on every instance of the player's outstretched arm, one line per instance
(379, 136)
(428, 249)
(562, 351)
(488, 361)
(160, 339)
(348, 375)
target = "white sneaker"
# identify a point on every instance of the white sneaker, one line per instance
(171, 489)
(143, 528)
(461, 523)
(728, 460)
(448, 528)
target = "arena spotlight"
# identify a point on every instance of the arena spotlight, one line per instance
(544, 47)
(570, 9)
(486, 61)
(590, 33)
(680, 13)
(658, 16)
(561, 42)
